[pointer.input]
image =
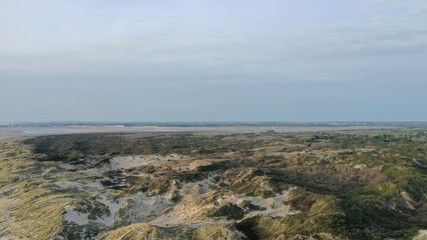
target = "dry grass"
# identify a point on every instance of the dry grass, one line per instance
(28, 211)
(137, 232)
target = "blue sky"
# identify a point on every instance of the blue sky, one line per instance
(213, 60)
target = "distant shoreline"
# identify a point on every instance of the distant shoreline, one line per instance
(46, 129)
(215, 123)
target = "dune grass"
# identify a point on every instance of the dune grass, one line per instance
(30, 211)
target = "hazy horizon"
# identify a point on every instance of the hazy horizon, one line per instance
(217, 61)
(213, 123)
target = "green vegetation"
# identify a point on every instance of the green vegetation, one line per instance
(325, 185)
(229, 211)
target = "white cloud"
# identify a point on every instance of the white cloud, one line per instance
(159, 42)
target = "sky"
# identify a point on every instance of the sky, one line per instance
(213, 60)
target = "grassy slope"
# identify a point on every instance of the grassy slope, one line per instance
(30, 211)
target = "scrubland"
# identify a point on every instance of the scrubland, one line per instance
(363, 184)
